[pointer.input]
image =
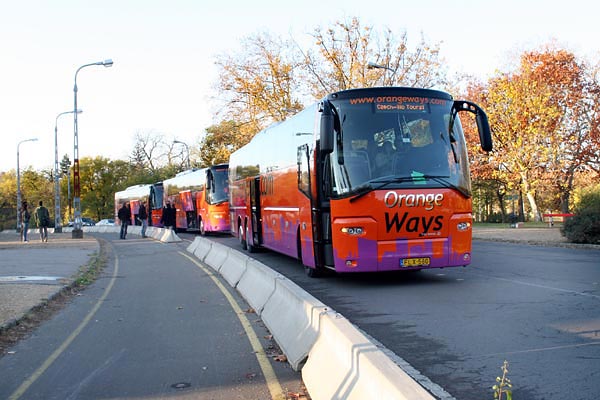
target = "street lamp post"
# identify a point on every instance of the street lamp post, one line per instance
(57, 219)
(188, 152)
(77, 232)
(372, 65)
(19, 183)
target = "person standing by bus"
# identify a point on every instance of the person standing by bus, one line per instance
(42, 217)
(143, 217)
(124, 216)
(168, 216)
(25, 217)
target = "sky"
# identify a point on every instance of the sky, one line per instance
(163, 77)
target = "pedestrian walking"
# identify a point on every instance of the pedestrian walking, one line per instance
(42, 218)
(124, 216)
(143, 216)
(168, 216)
(25, 217)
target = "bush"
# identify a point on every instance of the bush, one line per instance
(584, 227)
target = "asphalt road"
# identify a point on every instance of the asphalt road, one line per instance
(536, 307)
(154, 325)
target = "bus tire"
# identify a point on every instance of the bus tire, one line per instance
(313, 272)
(241, 236)
(249, 247)
(201, 225)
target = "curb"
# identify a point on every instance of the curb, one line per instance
(160, 234)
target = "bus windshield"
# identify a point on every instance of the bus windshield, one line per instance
(398, 142)
(219, 191)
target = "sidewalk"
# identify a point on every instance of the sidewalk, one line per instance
(535, 236)
(550, 236)
(34, 272)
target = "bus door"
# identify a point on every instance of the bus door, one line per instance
(256, 224)
(309, 246)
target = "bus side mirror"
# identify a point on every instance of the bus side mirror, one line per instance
(327, 126)
(485, 134)
(483, 126)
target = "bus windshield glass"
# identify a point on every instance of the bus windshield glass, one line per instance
(399, 142)
(219, 191)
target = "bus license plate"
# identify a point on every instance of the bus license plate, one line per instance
(414, 262)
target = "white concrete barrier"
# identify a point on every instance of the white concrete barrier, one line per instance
(292, 316)
(217, 255)
(203, 248)
(234, 266)
(345, 364)
(342, 362)
(154, 232)
(169, 236)
(257, 284)
(192, 246)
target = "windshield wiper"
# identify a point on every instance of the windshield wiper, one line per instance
(385, 180)
(442, 180)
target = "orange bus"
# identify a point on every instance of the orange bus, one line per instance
(200, 197)
(373, 179)
(149, 194)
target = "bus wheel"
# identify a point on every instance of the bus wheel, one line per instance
(241, 237)
(313, 272)
(202, 231)
(249, 247)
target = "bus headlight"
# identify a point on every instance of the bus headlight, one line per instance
(353, 230)
(463, 226)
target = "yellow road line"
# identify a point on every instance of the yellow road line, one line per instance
(35, 376)
(272, 381)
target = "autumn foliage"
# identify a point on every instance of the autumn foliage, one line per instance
(544, 118)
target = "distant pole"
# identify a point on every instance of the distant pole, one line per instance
(77, 231)
(188, 152)
(372, 65)
(57, 218)
(19, 183)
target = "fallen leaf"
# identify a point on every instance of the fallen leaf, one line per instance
(250, 311)
(250, 375)
(280, 358)
(268, 337)
(295, 396)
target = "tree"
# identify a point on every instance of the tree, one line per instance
(259, 85)
(8, 200)
(522, 114)
(267, 80)
(149, 150)
(220, 141)
(574, 141)
(343, 52)
(100, 179)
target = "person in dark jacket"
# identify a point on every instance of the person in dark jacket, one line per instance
(143, 216)
(124, 215)
(168, 216)
(42, 217)
(173, 217)
(25, 217)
